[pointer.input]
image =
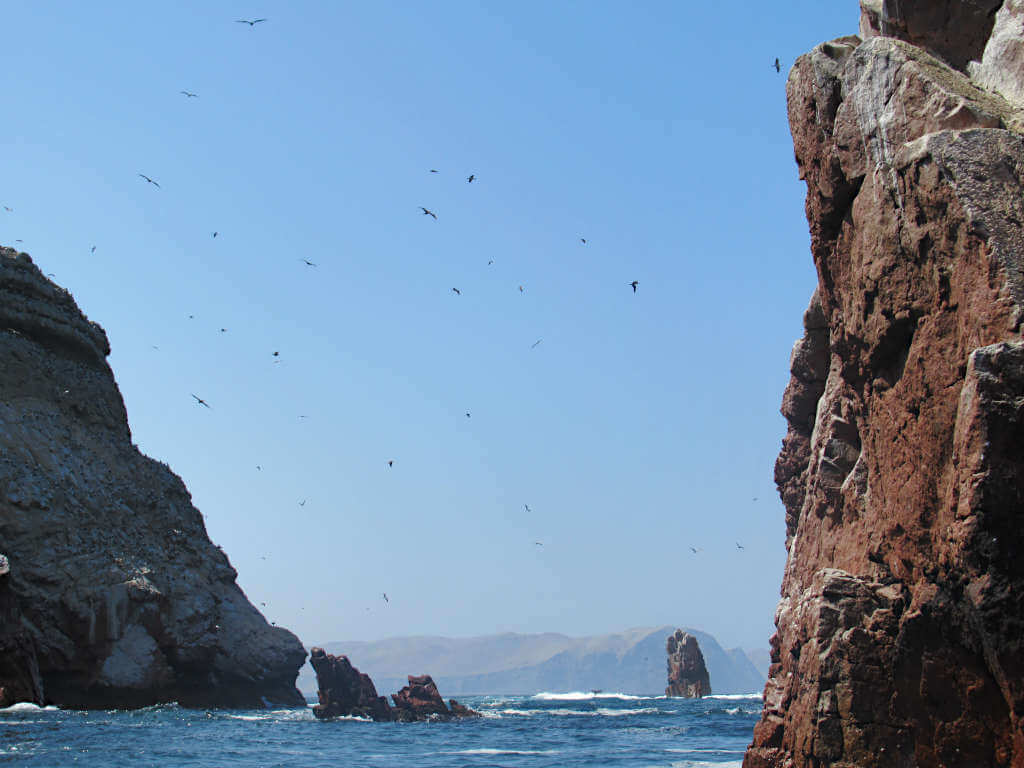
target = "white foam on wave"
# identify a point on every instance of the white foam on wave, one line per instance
(600, 712)
(491, 751)
(735, 696)
(27, 706)
(587, 696)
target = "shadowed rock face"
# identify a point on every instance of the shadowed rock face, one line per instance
(687, 675)
(901, 623)
(125, 599)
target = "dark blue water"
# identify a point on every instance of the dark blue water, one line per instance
(542, 731)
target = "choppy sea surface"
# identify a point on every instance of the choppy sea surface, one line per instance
(541, 731)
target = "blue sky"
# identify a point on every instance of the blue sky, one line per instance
(641, 425)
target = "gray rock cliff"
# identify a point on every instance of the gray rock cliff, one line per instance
(117, 589)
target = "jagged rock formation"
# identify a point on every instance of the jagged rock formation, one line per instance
(344, 691)
(123, 596)
(901, 623)
(420, 700)
(687, 675)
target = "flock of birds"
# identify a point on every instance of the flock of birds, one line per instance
(634, 284)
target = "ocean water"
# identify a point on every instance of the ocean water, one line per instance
(541, 731)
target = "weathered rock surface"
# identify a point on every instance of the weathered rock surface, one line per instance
(901, 623)
(687, 675)
(419, 700)
(19, 672)
(124, 597)
(344, 691)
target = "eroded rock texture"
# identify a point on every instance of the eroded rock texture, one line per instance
(901, 623)
(344, 691)
(687, 675)
(420, 700)
(123, 596)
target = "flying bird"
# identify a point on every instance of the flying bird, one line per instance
(149, 180)
(276, 354)
(635, 283)
(520, 289)
(490, 262)
(8, 209)
(470, 179)
(527, 507)
(778, 67)
(385, 596)
(93, 249)
(200, 400)
(307, 262)
(214, 234)
(695, 550)
(252, 23)
(538, 341)
(390, 462)
(427, 212)
(302, 503)
(467, 414)
(457, 291)
(538, 543)
(583, 240)
(739, 546)
(223, 330)
(189, 94)
(433, 170)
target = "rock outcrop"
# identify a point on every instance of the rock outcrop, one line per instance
(124, 598)
(687, 675)
(419, 700)
(900, 635)
(344, 691)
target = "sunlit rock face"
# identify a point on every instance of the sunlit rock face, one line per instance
(687, 674)
(120, 598)
(901, 622)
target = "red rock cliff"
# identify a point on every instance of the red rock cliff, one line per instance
(901, 622)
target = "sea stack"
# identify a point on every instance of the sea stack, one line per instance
(687, 675)
(115, 595)
(901, 622)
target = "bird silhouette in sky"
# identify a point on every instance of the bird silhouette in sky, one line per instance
(470, 179)
(433, 170)
(583, 240)
(252, 23)
(428, 212)
(778, 67)
(223, 330)
(695, 550)
(527, 507)
(189, 94)
(200, 400)
(539, 543)
(276, 354)
(457, 291)
(635, 283)
(214, 234)
(302, 503)
(520, 289)
(149, 180)
(8, 209)
(391, 462)
(307, 262)
(385, 596)
(491, 261)
(93, 249)
(739, 546)
(538, 341)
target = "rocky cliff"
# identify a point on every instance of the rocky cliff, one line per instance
(687, 675)
(121, 599)
(901, 622)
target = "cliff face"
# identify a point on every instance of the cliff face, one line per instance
(901, 622)
(120, 591)
(687, 675)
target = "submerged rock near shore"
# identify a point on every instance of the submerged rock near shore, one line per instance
(901, 623)
(120, 598)
(687, 675)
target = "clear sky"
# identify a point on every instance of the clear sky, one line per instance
(642, 423)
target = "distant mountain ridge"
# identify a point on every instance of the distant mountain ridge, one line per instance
(632, 662)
